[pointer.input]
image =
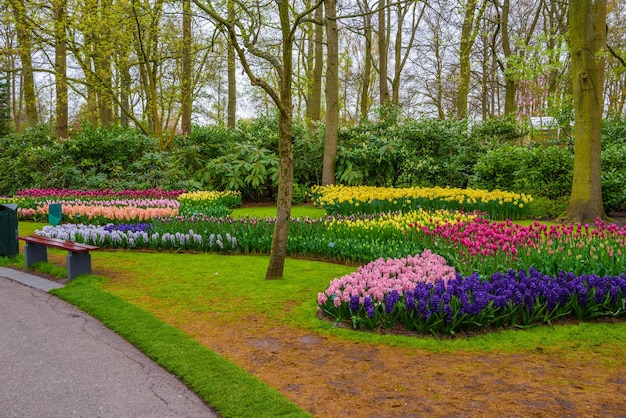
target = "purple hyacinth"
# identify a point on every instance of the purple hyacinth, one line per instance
(354, 303)
(410, 300)
(369, 308)
(390, 300)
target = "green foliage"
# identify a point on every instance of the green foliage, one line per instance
(542, 172)
(188, 155)
(614, 176)
(499, 167)
(308, 148)
(504, 129)
(613, 131)
(23, 159)
(434, 156)
(547, 172)
(248, 168)
(544, 208)
(391, 151)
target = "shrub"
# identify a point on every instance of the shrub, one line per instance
(499, 168)
(614, 177)
(545, 172)
(504, 129)
(613, 131)
(248, 168)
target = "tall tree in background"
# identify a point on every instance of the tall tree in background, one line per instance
(383, 53)
(5, 105)
(332, 93)
(24, 31)
(506, 64)
(469, 30)
(232, 73)
(318, 68)
(365, 95)
(59, 9)
(402, 52)
(587, 24)
(186, 79)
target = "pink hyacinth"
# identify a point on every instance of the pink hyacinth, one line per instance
(381, 276)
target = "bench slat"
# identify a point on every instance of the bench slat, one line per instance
(59, 243)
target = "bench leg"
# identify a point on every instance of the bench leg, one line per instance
(34, 253)
(78, 263)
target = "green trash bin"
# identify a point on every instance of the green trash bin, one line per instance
(8, 230)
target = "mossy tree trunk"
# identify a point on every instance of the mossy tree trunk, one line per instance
(588, 38)
(332, 93)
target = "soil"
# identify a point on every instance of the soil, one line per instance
(333, 377)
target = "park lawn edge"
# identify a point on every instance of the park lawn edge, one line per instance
(227, 388)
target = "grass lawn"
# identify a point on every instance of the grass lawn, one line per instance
(144, 290)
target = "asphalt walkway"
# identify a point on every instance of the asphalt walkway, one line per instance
(57, 361)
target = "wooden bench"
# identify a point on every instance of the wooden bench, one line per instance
(78, 259)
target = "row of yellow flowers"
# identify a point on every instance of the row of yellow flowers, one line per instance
(402, 221)
(337, 199)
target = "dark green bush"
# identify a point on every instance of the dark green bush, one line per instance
(613, 131)
(500, 168)
(614, 176)
(546, 172)
(248, 168)
(504, 129)
(25, 159)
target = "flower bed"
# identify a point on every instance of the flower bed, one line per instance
(346, 200)
(139, 236)
(104, 206)
(448, 306)
(486, 246)
(210, 203)
(103, 212)
(102, 194)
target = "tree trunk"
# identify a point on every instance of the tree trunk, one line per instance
(365, 102)
(125, 82)
(232, 75)
(24, 42)
(278, 252)
(465, 50)
(102, 65)
(510, 104)
(316, 93)
(587, 39)
(60, 68)
(383, 53)
(186, 76)
(332, 93)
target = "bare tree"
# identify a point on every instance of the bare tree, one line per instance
(278, 54)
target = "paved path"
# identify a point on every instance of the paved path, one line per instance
(57, 361)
